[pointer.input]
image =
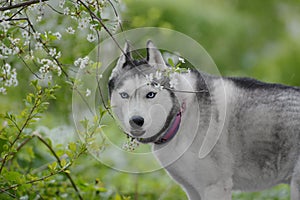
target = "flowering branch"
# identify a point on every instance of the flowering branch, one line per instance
(23, 4)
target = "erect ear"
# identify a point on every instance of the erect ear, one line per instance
(154, 56)
(123, 59)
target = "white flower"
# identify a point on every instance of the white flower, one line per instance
(38, 46)
(158, 75)
(57, 35)
(158, 86)
(52, 52)
(9, 77)
(70, 30)
(173, 81)
(7, 51)
(44, 69)
(6, 68)
(36, 35)
(5, 25)
(67, 11)
(88, 92)
(3, 57)
(27, 42)
(82, 62)
(39, 19)
(14, 41)
(61, 3)
(149, 77)
(91, 37)
(25, 35)
(181, 60)
(15, 50)
(58, 55)
(92, 27)
(83, 23)
(3, 90)
(58, 71)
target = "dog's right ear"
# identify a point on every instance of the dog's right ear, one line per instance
(154, 56)
(124, 59)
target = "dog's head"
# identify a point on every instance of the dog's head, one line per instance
(140, 94)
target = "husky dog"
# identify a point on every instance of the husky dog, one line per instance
(259, 124)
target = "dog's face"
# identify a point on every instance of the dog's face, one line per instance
(138, 96)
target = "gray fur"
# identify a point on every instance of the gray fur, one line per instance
(260, 132)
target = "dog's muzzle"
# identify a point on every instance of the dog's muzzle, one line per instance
(136, 122)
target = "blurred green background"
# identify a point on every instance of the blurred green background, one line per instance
(260, 39)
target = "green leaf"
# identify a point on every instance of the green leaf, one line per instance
(170, 62)
(117, 197)
(52, 166)
(2, 137)
(63, 162)
(72, 146)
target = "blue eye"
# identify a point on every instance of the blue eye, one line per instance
(124, 95)
(150, 95)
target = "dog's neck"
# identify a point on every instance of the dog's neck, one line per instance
(173, 129)
(183, 92)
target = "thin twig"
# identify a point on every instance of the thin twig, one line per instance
(99, 19)
(20, 131)
(36, 180)
(59, 162)
(23, 4)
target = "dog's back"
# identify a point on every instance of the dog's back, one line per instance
(264, 133)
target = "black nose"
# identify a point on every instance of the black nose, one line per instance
(136, 121)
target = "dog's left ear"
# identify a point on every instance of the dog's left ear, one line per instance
(154, 56)
(124, 59)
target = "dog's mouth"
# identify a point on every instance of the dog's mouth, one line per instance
(137, 133)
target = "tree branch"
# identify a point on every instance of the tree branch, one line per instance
(59, 163)
(27, 3)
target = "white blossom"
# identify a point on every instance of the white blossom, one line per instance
(14, 41)
(15, 50)
(38, 46)
(36, 35)
(39, 18)
(5, 25)
(8, 77)
(25, 35)
(82, 62)
(44, 69)
(158, 86)
(67, 11)
(158, 75)
(91, 37)
(149, 77)
(88, 92)
(70, 30)
(61, 3)
(173, 81)
(83, 23)
(57, 35)
(181, 60)
(3, 90)
(58, 55)
(52, 52)
(3, 57)
(7, 51)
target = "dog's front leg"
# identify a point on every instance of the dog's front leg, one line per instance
(192, 193)
(219, 191)
(295, 183)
